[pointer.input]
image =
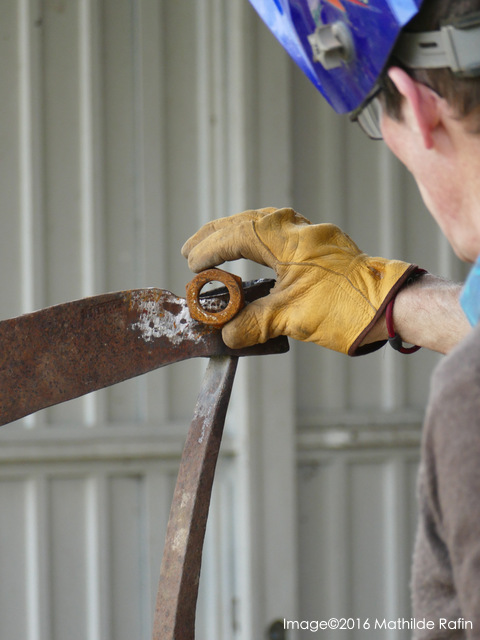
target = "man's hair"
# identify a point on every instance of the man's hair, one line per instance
(462, 94)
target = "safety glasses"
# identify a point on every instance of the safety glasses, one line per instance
(369, 114)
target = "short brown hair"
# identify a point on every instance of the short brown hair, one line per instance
(462, 94)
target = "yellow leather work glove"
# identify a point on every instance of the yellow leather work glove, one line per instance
(327, 290)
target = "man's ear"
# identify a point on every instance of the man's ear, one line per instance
(420, 101)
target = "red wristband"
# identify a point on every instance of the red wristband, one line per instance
(394, 339)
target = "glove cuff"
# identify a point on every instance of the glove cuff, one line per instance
(410, 275)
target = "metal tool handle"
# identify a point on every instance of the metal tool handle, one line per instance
(180, 571)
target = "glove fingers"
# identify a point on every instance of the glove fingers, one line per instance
(227, 239)
(222, 246)
(254, 325)
(221, 224)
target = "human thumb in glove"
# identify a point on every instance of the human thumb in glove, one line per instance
(327, 291)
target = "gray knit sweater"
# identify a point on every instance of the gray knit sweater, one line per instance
(446, 567)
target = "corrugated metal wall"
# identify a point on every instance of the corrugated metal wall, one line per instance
(124, 125)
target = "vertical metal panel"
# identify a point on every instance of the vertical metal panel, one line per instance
(97, 559)
(38, 603)
(29, 143)
(62, 185)
(399, 508)
(219, 589)
(356, 536)
(9, 179)
(67, 550)
(13, 591)
(365, 492)
(127, 557)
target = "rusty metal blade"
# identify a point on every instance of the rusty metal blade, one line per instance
(180, 571)
(68, 350)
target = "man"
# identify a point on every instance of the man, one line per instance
(422, 95)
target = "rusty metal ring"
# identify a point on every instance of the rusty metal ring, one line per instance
(216, 317)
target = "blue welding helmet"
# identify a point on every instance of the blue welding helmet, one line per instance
(341, 45)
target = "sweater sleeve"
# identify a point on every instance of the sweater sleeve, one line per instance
(451, 486)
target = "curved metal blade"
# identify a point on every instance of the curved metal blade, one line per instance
(68, 350)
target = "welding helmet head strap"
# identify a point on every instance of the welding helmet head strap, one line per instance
(455, 46)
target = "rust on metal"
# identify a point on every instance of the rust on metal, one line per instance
(201, 310)
(182, 556)
(68, 350)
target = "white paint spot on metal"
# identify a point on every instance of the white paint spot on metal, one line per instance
(155, 321)
(207, 418)
(180, 539)
(186, 500)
